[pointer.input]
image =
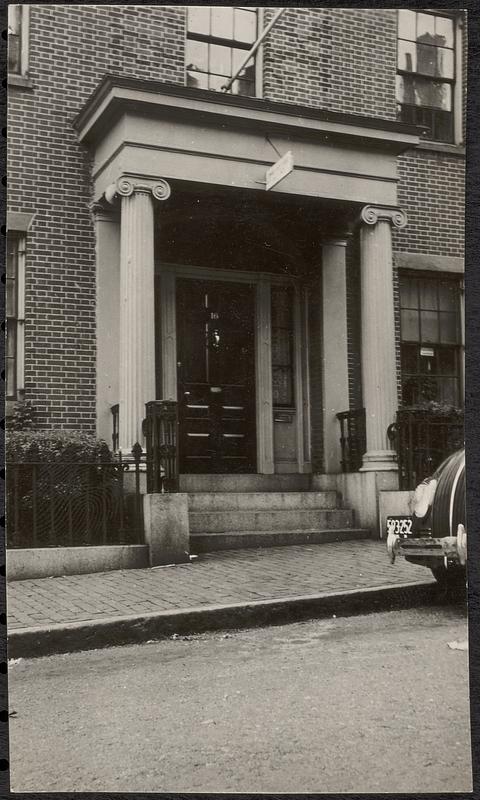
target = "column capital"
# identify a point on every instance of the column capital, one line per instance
(373, 214)
(100, 210)
(125, 186)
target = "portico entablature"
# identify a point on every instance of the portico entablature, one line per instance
(146, 129)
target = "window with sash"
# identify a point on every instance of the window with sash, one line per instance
(18, 17)
(15, 268)
(426, 72)
(218, 39)
(431, 340)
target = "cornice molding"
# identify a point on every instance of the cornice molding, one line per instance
(370, 215)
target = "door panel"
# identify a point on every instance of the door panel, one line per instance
(216, 376)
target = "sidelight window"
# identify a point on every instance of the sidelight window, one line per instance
(218, 39)
(282, 346)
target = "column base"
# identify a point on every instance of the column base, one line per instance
(379, 461)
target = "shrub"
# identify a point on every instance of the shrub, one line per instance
(22, 417)
(53, 446)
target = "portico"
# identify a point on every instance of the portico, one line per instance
(156, 150)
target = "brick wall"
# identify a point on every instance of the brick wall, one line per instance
(336, 59)
(71, 48)
(431, 191)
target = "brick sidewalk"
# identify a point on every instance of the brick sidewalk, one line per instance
(236, 576)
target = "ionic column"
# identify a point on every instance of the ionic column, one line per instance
(137, 309)
(379, 370)
(335, 353)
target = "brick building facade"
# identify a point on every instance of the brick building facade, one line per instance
(325, 84)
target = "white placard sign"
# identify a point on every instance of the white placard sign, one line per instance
(279, 170)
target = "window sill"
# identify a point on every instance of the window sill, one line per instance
(442, 147)
(22, 81)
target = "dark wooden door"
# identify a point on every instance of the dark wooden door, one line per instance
(216, 376)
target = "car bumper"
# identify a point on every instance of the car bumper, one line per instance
(450, 548)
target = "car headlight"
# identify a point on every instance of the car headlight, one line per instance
(423, 498)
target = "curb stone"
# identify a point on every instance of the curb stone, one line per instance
(72, 637)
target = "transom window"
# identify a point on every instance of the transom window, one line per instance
(431, 340)
(218, 39)
(426, 72)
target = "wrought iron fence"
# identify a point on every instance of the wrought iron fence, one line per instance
(423, 440)
(74, 503)
(160, 429)
(352, 438)
(115, 420)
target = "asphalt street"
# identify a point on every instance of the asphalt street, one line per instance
(375, 703)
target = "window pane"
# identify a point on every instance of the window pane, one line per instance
(199, 80)
(11, 298)
(449, 391)
(444, 31)
(426, 29)
(409, 323)
(407, 24)
(428, 295)
(429, 323)
(408, 293)
(443, 126)
(216, 82)
(222, 22)
(198, 20)
(197, 55)
(281, 346)
(431, 93)
(434, 61)
(406, 89)
(409, 358)
(248, 72)
(448, 295)
(282, 386)
(220, 60)
(448, 328)
(447, 361)
(407, 56)
(243, 88)
(245, 26)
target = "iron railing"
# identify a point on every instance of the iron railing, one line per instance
(160, 428)
(115, 421)
(423, 439)
(352, 438)
(74, 503)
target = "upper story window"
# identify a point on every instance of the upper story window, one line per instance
(431, 339)
(218, 39)
(426, 72)
(18, 18)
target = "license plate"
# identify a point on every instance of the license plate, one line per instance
(399, 526)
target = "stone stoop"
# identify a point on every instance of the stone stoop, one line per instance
(246, 519)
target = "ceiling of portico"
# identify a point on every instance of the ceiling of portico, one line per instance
(201, 226)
